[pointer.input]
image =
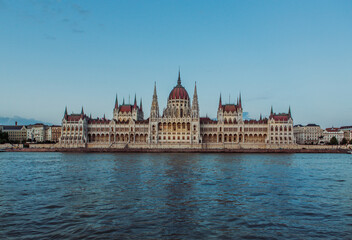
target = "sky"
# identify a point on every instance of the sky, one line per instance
(57, 53)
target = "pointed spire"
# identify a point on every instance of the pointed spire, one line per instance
(104, 116)
(271, 110)
(154, 94)
(82, 112)
(90, 116)
(154, 110)
(289, 111)
(195, 89)
(65, 111)
(135, 102)
(123, 101)
(260, 117)
(240, 101)
(116, 103)
(140, 105)
(179, 77)
(195, 106)
(220, 103)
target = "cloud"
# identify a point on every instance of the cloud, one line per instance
(79, 9)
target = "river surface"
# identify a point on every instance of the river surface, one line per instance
(175, 196)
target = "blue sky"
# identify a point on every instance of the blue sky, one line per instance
(74, 53)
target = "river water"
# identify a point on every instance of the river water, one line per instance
(175, 196)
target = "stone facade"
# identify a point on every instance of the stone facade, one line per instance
(179, 125)
(347, 130)
(309, 134)
(15, 132)
(36, 132)
(328, 133)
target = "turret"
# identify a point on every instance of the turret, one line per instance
(220, 103)
(116, 110)
(195, 106)
(135, 102)
(116, 103)
(65, 114)
(240, 101)
(289, 111)
(154, 111)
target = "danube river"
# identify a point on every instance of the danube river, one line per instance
(175, 196)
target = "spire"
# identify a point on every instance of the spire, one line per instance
(116, 103)
(220, 104)
(195, 106)
(135, 102)
(195, 90)
(104, 116)
(154, 94)
(123, 101)
(154, 110)
(179, 78)
(260, 117)
(140, 105)
(289, 111)
(82, 112)
(90, 116)
(271, 111)
(240, 101)
(65, 111)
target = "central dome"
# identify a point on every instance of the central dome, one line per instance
(179, 92)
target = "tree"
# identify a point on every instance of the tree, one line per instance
(344, 141)
(333, 141)
(4, 137)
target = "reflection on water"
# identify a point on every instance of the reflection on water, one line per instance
(175, 196)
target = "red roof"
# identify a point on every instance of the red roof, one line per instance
(281, 117)
(126, 108)
(74, 117)
(332, 129)
(178, 92)
(99, 120)
(229, 108)
(206, 120)
(252, 121)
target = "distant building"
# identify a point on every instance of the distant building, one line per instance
(36, 132)
(332, 132)
(347, 130)
(55, 133)
(309, 134)
(16, 133)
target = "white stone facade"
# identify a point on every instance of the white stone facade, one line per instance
(309, 134)
(332, 132)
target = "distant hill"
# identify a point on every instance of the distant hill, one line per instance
(20, 121)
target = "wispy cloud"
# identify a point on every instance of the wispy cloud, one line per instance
(79, 9)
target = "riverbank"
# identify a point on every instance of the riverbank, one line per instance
(178, 148)
(276, 149)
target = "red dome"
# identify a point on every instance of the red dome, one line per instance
(178, 92)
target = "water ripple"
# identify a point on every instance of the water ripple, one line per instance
(175, 196)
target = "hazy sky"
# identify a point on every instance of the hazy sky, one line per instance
(74, 53)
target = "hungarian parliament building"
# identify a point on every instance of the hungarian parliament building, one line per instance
(178, 125)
